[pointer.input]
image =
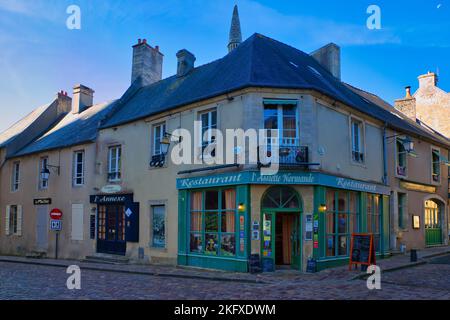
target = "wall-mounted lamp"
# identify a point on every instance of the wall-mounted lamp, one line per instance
(407, 143)
(241, 207)
(322, 208)
(45, 173)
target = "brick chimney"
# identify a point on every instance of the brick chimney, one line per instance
(186, 61)
(428, 80)
(83, 98)
(329, 57)
(147, 63)
(64, 103)
(407, 105)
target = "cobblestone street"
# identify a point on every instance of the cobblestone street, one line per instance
(28, 281)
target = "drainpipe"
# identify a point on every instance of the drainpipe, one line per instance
(385, 174)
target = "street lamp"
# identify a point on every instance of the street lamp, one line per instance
(45, 173)
(165, 144)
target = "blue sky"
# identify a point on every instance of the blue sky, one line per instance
(40, 56)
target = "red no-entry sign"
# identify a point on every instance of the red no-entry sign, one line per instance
(56, 214)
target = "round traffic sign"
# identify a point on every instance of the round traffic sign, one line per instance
(56, 214)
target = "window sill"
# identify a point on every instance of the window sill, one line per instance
(359, 164)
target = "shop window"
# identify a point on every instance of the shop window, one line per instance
(436, 165)
(341, 220)
(213, 222)
(159, 226)
(402, 169)
(374, 219)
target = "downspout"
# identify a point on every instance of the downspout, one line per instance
(385, 174)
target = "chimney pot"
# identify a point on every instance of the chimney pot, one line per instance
(408, 91)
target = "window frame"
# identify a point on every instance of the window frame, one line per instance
(152, 210)
(75, 173)
(209, 128)
(13, 220)
(43, 163)
(398, 154)
(162, 127)
(117, 163)
(15, 176)
(220, 212)
(357, 156)
(433, 163)
(280, 122)
(371, 219)
(402, 210)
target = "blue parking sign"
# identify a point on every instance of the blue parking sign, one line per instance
(55, 225)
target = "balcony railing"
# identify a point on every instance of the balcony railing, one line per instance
(289, 152)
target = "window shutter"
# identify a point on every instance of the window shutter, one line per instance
(77, 222)
(8, 209)
(19, 220)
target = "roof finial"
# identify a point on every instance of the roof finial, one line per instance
(235, 31)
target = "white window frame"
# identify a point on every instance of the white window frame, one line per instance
(162, 131)
(15, 229)
(438, 150)
(43, 163)
(75, 174)
(280, 120)
(117, 149)
(360, 149)
(397, 154)
(15, 176)
(209, 128)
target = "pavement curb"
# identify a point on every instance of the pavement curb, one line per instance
(148, 273)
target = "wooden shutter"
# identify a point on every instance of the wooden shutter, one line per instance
(77, 221)
(19, 220)
(8, 210)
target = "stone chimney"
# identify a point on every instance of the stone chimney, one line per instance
(428, 80)
(186, 61)
(64, 103)
(407, 105)
(83, 98)
(147, 63)
(329, 57)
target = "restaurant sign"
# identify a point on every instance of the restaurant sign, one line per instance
(285, 178)
(42, 202)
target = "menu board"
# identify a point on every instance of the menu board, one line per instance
(362, 250)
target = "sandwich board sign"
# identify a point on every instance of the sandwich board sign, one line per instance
(362, 250)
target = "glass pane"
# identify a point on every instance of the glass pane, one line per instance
(212, 200)
(342, 201)
(330, 200)
(271, 117)
(353, 206)
(196, 201)
(342, 223)
(159, 234)
(330, 223)
(228, 245)
(211, 222)
(342, 249)
(267, 235)
(212, 243)
(330, 246)
(229, 199)
(228, 221)
(196, 242)
(353, 227)
(196, 221)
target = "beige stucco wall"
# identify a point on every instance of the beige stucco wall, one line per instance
(419, 171)
(63, 195)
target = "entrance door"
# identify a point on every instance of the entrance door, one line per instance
(287, 246)
(433, 225)
(42, 218)
(111, 229)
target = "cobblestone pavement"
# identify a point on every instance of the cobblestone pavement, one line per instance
(27, 281)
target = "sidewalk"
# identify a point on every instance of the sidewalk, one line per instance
(387, 265)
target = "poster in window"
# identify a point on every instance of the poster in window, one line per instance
(159, 230)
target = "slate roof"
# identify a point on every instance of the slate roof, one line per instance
(9, 134)
(258, 62)
(72, 130)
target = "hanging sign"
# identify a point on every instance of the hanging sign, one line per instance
(362, 250)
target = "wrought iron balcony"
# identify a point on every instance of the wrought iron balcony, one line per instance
(291, 155)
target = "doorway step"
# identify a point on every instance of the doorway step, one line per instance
(106, 259)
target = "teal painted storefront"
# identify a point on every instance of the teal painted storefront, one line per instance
(242, 183)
